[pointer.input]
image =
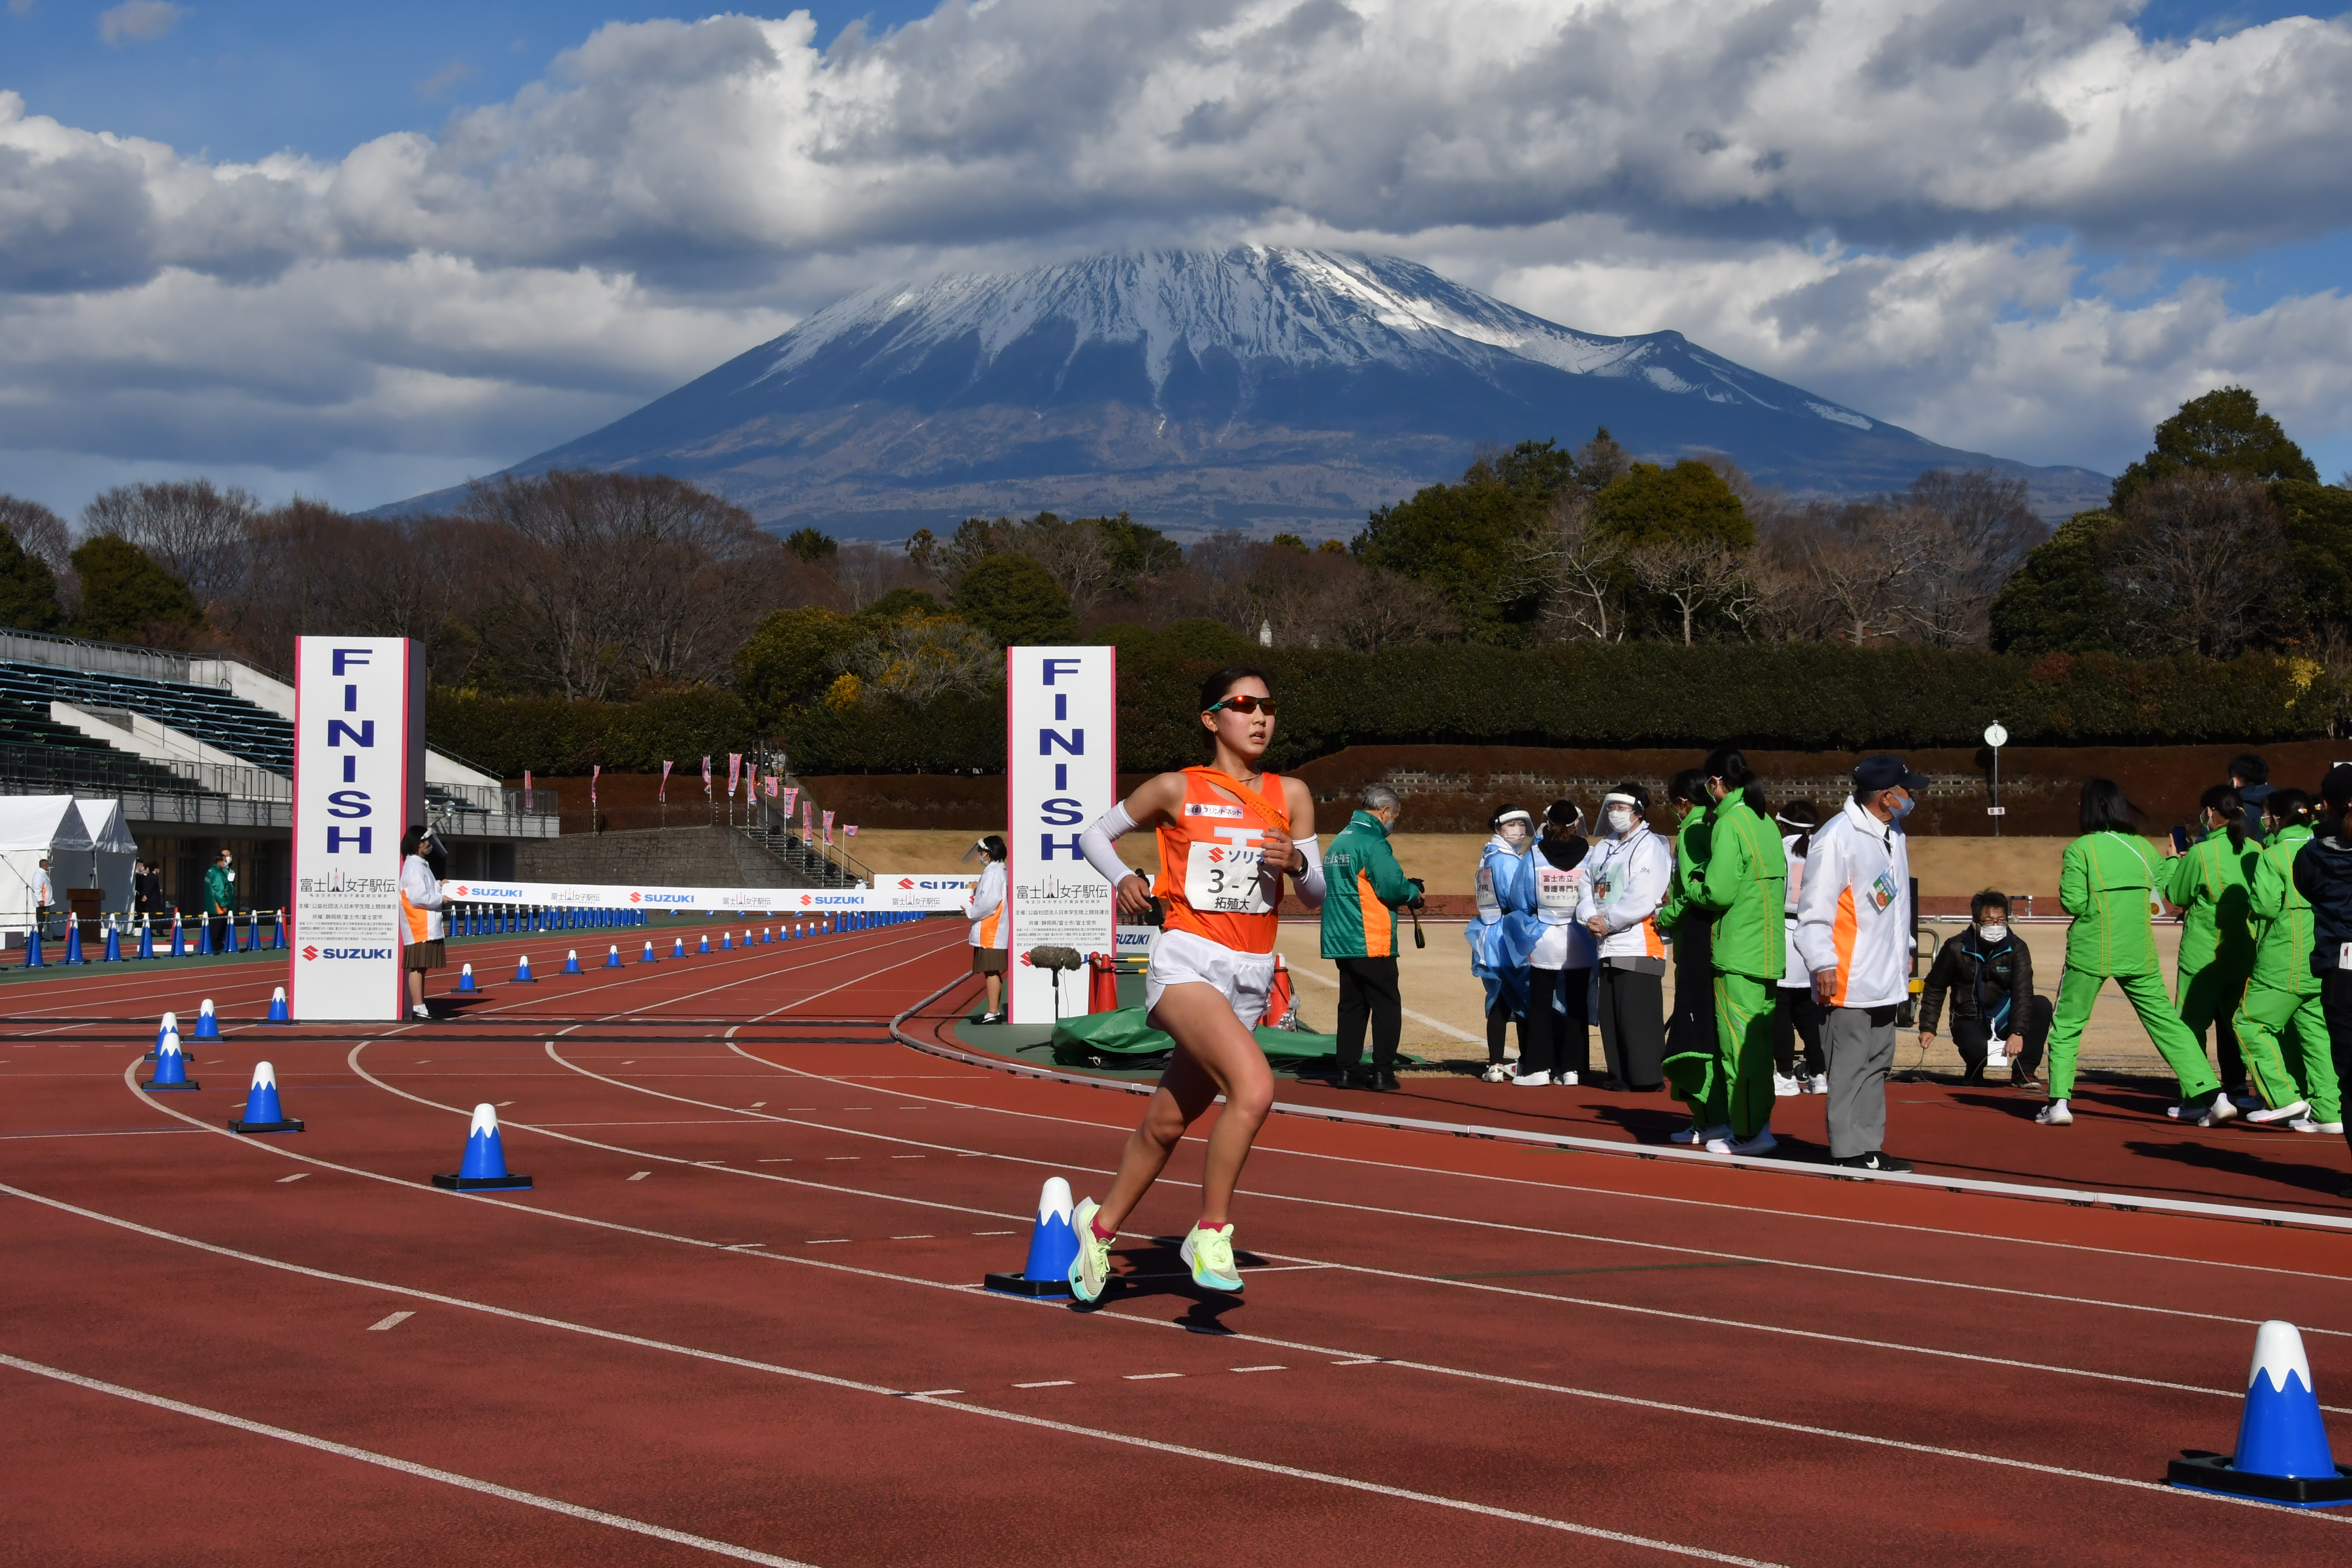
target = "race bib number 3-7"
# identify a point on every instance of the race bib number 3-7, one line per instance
(1556, 888)
(1224, 878)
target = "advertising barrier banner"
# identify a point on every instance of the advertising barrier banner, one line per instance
(924, 894)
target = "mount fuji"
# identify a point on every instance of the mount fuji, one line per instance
(1261, 387)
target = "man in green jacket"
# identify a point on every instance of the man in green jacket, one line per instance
(2208, 885)
(1742, 883)
(2282, 994)
(1365, 885)
(218, 881)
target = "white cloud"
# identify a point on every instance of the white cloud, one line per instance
(1835, 191)
(137, 21)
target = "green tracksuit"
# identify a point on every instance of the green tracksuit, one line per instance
(2282, 994)
(1691, 1032)
(1743, 885)
(1363, 886)
(2209, 886)
(2103, 881)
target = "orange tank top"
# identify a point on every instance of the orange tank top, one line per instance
(1209, 861)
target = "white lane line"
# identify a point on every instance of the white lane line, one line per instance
(392, 1321)
(996, 1233)
(1148, 1377)
(1496, 1379)
(1439, 1024)
(294, 1177)
(1055, 1383)
(937, 1393)
(927, 1237)
(639, 1176)
(825, 1241)
(1261, 1369)
(1362, 1361)
(1745, 1213)
(406, 1466)
(757, 1104)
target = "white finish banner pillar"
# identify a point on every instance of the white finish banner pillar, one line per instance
(1061, 772)
(359, 784)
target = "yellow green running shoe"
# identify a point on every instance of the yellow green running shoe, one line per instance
(1208, 1252)
(1091, 1267)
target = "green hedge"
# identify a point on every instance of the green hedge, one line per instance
(1799, 697)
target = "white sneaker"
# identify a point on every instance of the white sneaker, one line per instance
(1091, 1267)
(1532, 1080)
(1784, 1087)
(1209, 1254)
(422, 1013)
(1818, 1084)
(1695, 1133)
(2307, 1124)
(2220, 1110)
(2055, 1114)
(1497, 1073)
(2264, 1117)
(1762, 1143)
(1565, 1079)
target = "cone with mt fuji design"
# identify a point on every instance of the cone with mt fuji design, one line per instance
(2283, 1454)
(262, 1111)
(483, 1168)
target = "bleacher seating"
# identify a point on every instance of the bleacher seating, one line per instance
(37, 756)
(242, 728)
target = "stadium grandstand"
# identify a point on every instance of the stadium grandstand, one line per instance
(199, 752)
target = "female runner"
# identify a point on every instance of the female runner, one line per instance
(1229, 834)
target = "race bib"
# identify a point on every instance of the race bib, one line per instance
(1556, 888)
(1223, 877)
(1882, 892)
(1487, 903)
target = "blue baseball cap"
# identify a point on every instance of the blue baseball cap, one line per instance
(1875, 773)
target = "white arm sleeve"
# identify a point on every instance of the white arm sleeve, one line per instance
(1311, 881)
(1097, 844)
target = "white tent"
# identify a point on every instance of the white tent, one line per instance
(111, 851)
(31, 826)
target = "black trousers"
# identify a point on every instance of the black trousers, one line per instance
(1974, 1038)
(221, 925)
(1498, 1023)
(1368, 991)
(1557, 1042)
(1798, 1017)
(1632, 1009)
(1691, 1026)
(2335, 1002)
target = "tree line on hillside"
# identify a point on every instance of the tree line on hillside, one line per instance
(603, 587)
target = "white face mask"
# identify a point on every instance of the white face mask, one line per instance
(1992, 931)
(1621, 820)
(1515, 833)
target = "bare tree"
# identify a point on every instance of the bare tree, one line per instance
(861, 572)
(39, 532)
(1975, 528)
(198, 532)
(1584, 573)
(2196, 563)
(1696, 575)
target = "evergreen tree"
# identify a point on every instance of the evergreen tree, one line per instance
(1015, 601)
(126, 598)
(1687, 504)
(2059, 601)
(1472, 540)
(810, 545)
(2223, 432)
(28, 589)
(789, 660)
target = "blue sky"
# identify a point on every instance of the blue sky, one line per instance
(371, 321)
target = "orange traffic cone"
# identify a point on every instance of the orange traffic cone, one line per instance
(1102, 982)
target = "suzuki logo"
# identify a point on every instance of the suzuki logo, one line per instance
(635, 897)
(804, 899)
(906, 881)
(462, 891)
(308, 954)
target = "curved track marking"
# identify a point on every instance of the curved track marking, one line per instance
(406, 1466)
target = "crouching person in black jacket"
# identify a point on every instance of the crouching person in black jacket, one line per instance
(2323, 874)
(1989, 974)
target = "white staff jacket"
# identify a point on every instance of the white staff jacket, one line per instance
(1854, 912)
(985, 908)
(1626, 880)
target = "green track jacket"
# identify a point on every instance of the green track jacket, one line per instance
(2209, 886)
(2282, 917)
(1744, 880)
(1363, 884)
(216, 891)
(1691, 839)
(2103, 881)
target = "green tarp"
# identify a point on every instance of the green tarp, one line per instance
(1123, 1040)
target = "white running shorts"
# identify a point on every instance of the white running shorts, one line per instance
(1180, 958)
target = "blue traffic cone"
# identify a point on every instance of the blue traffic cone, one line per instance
(613, 956)
(705, 943)
(171, 1066)
(179, 946)
(33, 959)
(726, 940)
(204, 938)
(277, 933)
(113, 952)
(146, 937)
(572, 960)
(677, 947)
(277, 1014)
(523, 971)
(485, 1165)
(252, 931)
(1053, 1248)
(649, 957)
(262, 1111)
(207, 1025)
(170, 1025)
(2283, 1454)
(767, 935)
(73, 941)
(466, 979)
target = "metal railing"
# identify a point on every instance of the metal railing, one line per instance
(100, 657)
(235, 780)
(69, 770)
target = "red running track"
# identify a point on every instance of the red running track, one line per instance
(736, 1319)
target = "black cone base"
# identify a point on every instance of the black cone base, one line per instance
(1022, 1285)
(250, 1127)
(481, 1184)
(2214, 1473)
(151, 1087)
